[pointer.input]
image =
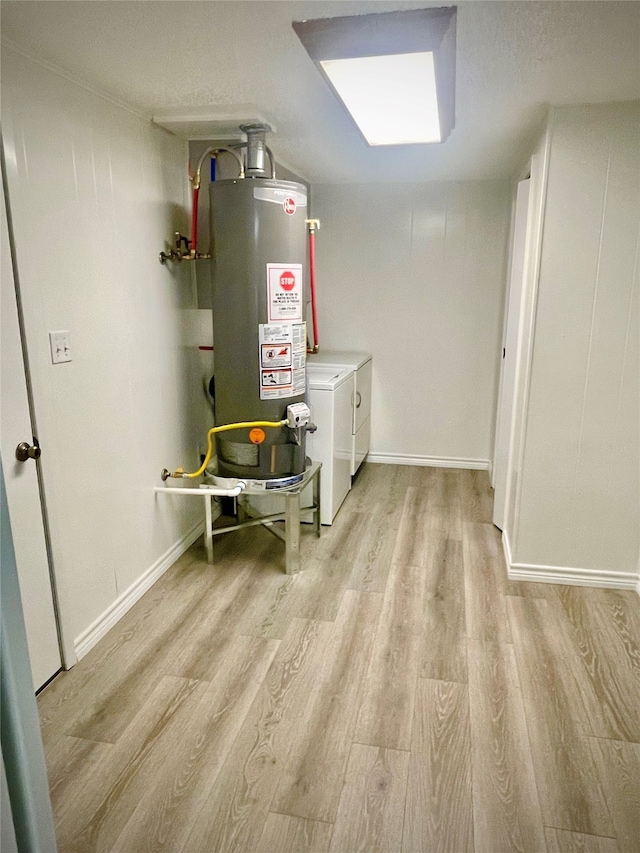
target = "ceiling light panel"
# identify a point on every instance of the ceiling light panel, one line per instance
(393, 71)
(392, 99)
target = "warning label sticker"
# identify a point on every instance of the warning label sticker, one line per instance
(276, 356)
(276, 333)
(276, 378)
(299, 346)
(299, 382)
(284, 292)
(299, 336)
(283, 353)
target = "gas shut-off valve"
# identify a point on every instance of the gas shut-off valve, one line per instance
(299, 420)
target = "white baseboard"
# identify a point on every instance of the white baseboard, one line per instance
(429, 461)
(506, 550)
(567, 574)
(87, 640)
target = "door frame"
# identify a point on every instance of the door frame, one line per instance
(66, 645)
(505, 311)
(510, 338)
(537, 169)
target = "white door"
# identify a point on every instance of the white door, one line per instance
(23, 494)
(504, 429)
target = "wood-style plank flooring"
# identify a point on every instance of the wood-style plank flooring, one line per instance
(400, 694)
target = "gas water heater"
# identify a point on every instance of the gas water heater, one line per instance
(258, 231)
(258, 245)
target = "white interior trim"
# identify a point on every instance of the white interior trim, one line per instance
(505, 308)
(88, 639)
(539, 171)
(429, 461)
(506, 550)
(573, 576)
(567, 574)
(507, 411)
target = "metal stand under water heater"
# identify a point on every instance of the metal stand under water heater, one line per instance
(258, 246)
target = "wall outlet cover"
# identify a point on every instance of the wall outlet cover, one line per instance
(60, 343)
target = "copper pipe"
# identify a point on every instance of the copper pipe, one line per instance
(313, 224)
(195, 180)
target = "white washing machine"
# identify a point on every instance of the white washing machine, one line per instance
(329, 396)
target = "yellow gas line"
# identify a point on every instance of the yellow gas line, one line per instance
(180, 472)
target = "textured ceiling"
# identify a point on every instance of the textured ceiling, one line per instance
(243, 58)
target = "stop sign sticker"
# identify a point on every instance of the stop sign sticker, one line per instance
(287, 280)
(284, 292)
(289, 205)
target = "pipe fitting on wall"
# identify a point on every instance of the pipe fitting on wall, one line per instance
(182, 251)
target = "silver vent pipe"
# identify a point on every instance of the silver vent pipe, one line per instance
(255, 149)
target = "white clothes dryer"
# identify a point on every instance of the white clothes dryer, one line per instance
(329, 396)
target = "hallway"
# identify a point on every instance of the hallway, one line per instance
(399, 694)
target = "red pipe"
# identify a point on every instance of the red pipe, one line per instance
(193, 243)
(312, 283)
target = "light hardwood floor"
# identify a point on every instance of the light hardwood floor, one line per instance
(399, 694)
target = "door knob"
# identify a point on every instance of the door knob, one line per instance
(26, 451)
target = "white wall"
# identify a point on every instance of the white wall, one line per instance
(96, 192)
(579, 499)
(415, 274)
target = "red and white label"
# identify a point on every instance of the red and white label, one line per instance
(276, 356)
(289, 205)
(287, 280)
(284, 292)
(283, 352)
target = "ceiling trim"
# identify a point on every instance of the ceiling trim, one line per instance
(7, 44)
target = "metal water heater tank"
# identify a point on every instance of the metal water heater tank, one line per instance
(258, 245)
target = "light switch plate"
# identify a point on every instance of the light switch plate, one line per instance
(60, 343)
